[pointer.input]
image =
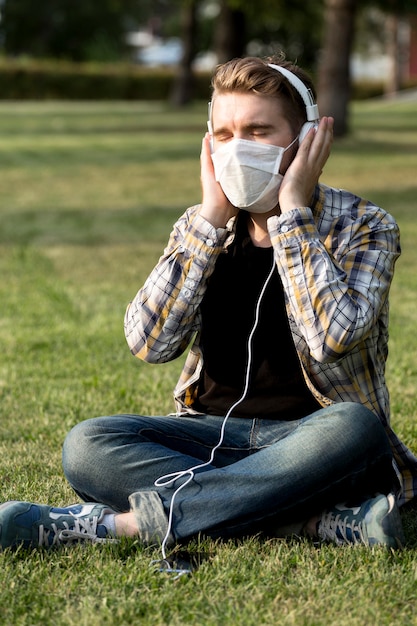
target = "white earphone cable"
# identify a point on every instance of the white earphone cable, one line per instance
(168, 479)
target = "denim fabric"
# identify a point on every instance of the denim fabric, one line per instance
(265, 474)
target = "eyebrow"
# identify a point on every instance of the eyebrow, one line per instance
(247, 127)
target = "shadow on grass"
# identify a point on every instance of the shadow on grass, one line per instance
(94, 227)
(154, 129)
(409, 518)
(354, 145)
(106, 226)
(399, 202)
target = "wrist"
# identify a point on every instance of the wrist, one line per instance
(291, 204)
(217, 216)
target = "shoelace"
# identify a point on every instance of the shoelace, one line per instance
(336, 529)
(84, 529)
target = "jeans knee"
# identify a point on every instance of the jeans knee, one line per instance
(76, 449)
(363, 425)
(371, 424)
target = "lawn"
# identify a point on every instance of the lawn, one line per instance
(88, 194)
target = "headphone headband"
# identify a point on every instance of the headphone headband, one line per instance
(312, 110)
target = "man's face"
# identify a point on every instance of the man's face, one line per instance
(252, 117)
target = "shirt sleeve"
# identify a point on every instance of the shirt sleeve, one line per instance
(164, 315)
(336, 268)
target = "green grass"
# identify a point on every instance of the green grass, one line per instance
(88, 194)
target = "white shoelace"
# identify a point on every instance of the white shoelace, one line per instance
(330, 524)
(83, 529)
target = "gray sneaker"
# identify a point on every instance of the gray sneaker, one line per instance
(36, 525)
(375, 521)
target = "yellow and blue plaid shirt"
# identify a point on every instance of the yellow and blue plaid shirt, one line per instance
(336, 262)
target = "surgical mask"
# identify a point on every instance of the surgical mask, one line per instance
(248, 173)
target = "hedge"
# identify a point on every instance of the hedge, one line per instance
(25, 79)
(41, 80)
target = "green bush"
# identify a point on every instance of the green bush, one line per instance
(26, 79)
(42, 80)
(363, 89)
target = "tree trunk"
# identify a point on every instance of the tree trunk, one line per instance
(229, 36)
(334, 81)
(392, 83)
(394, 52)
(183, 88)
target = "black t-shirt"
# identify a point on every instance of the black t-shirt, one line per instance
(277, 389)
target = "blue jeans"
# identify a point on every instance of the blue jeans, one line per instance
(265, 474)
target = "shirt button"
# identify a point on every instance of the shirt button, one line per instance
(210, 243)
(284, 228)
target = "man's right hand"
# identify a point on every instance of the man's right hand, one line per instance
(215, 207)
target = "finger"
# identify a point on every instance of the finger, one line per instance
(206, 162)
(205, 146)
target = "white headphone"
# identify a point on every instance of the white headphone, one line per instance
(312, 110)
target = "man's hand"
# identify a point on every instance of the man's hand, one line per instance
(215, 208)
(304, 171)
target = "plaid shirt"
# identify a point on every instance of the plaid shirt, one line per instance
(336, 262)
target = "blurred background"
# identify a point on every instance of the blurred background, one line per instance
(153, 49)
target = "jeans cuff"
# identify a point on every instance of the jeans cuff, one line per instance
(150, 517)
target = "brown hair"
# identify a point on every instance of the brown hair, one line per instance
(254, 75)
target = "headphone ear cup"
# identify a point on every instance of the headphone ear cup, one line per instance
(305, 128)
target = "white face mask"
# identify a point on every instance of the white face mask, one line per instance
(248, 173)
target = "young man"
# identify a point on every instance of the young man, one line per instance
(281, 285)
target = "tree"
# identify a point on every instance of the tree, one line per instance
(279, 24)
(394, 76)
(395, 10)
(293, 26)
(230, 32)
(183, 84)
(77, 31)
(334, 80)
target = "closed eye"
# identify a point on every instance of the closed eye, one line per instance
(260, 129)
(222, 136)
